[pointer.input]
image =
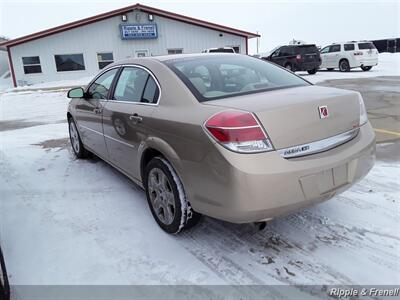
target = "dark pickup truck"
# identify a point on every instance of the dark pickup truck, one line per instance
(296, 57)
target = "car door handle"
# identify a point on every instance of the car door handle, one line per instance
(136, 118)
(97, 111)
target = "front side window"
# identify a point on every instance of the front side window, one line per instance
(276, 52)
(104, 59)
(348, 47)
(69, 62)
(31, 64)
(131, 85)
(334, 48)
(100, 87)
(366, 46)
(325, 50)
(175, 51)
(211, 78)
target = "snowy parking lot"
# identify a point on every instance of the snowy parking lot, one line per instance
(65, 221)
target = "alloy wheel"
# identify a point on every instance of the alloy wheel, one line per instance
(161, 196)
(344, 66)
(73, 133)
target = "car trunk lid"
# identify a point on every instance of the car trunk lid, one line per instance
(293, 116)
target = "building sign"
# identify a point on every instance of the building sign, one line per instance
(138, 31)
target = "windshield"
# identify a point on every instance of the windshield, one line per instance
(365, 46)
(216, 77)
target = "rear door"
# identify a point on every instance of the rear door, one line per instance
(350, 53)
(127, 116)
(89, 112)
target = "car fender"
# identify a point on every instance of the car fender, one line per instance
(161, 146)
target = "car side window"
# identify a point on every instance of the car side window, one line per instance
(100, 87)
(348, 47)
(325, 50)
(131, 84)
(151, 92)
(334, 48)
(276, 53)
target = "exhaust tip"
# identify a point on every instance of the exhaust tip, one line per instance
(260, 225)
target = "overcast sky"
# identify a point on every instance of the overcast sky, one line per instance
(314, 21)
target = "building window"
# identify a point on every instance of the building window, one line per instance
(31, 64)
(104, 59)
(175, 51)
(69, 62)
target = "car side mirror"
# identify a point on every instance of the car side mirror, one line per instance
(76, 93)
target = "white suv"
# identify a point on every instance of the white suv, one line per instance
(346, 56)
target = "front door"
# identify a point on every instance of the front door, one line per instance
(334, 56)
(89, 113)
(326, 58)
(127, 117)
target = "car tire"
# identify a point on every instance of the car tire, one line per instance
(344, 65)
(330, 69)
(313, 71)
(366, 68)
(4, 284)
(75, 139)
(289, 67)
(166, 197)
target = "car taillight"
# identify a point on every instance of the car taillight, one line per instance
(357, 53)
(238, 131)
(298, 56)
(363, 111)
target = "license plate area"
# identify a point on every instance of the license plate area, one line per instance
(324, 182)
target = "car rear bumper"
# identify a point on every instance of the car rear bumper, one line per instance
(366, 62)
(243, 188)
(307, 66)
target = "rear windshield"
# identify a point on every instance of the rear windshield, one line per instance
(307, 49)
(365, 46)
(215, 77)
(222, 50)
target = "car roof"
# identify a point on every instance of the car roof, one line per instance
(219, 48)
(170, 57)
(301, 45)
(350, 42)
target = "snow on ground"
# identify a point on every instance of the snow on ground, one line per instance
(69, 221)
(389, 65)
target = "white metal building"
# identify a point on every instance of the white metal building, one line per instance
(79, 49)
